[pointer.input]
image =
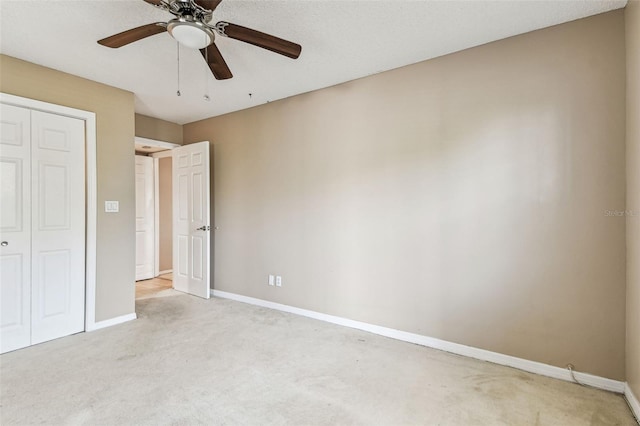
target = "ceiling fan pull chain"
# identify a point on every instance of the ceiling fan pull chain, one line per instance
(206, 76)
(178, 92)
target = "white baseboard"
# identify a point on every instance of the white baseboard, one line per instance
(168, 271)
(431, 342)
(113, 321)
(632, 401)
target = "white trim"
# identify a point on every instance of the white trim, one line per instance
(92, 225)
(632, 401)
(113, 321)
(156, 217)
(156, 188)
(155, 143)
(431, 342)
(92, 190)
(168, 271)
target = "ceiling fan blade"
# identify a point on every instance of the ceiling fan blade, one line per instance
(266, 41)
(207, 4)
(134, 34)
(216, 62)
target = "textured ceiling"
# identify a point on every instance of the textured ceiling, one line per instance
(341, 41)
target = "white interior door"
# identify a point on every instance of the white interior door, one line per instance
(191, 231)
(42, 222)
(15, 228)
(145, 218)
(57, 226)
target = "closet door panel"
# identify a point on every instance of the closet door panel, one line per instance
(15, 228)
(58, 226)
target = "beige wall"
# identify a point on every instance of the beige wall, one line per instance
(632, 15)
(165, 215)
(461, 198)
(115, 132)
(160, 130)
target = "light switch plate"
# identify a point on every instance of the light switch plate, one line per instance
(271, 279)
(111, 206)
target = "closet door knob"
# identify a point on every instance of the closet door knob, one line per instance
(4, 243)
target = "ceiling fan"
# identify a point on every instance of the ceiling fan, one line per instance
(190, 27)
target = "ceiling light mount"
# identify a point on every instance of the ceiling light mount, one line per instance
(183, 7)
(190, 32)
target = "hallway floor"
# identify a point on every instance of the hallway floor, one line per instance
(153, 287)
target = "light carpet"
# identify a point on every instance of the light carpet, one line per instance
(192, 361)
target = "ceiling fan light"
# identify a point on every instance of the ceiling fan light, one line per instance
(190, 34)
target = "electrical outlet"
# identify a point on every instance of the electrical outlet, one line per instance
(271, 279)
(278, 281)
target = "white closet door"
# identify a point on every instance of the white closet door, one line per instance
(58, 226)
(145, 218)
(15, 228)
(191, 219)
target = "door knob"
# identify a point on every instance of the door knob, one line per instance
(203, 228)
(4, 243)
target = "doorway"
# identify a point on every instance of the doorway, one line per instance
(190, 215)
(154, 218)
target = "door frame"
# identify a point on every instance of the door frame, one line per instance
(91, 212)
(156, 186)
(167, 146)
